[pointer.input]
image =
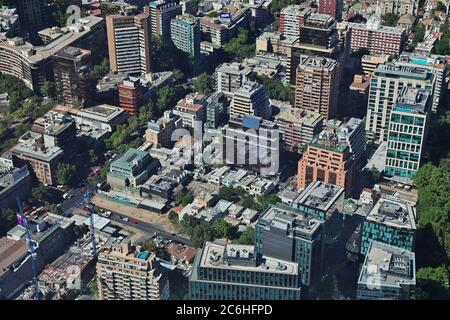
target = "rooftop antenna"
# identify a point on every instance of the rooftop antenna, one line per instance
(22, 221)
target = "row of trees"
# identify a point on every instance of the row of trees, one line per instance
(201, 231)
(433, 207)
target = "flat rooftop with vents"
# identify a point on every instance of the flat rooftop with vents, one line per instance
(387, 265)
(284, 217)
(320, 195)
(395, 213)
(243, 257)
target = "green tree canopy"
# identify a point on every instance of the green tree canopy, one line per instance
(65, 173)
(204, 84)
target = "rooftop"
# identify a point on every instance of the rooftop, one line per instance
(387, 265)
(101, 112)
(61, 37)
(287, 218)
(8, 18)
(235, 68)
(10, 252)
(72, 53)
(242, 257)
(31, 144)
(391, 69)
(299, 116)
(130, 158)
(374, 24)
(320, 195)
(319, 63)
(393, 212)
(413, 100)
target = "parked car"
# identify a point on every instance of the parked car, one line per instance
(126, 219)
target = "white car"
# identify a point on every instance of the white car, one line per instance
(106, 214)
(126, 219)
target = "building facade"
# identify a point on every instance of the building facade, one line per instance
(285, 233)
(316, 88)
(327, 159)
(239, 272)
(73, 77)
(407, 133)
(386, 83)
(123, 273)
(229, 77)
(251, 99)
(161, 12)
(332, 8)
(391, 221)
(377, 39)
(129, 44)
(298, 127)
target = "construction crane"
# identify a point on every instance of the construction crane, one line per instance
(22, 221)
(90, 209)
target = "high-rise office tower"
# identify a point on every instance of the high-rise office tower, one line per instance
(129, 44)
(161, 12)
(238, 272)
(386, 83)
(407, 133)
(32, 15)
(316, 86)
(73, 77)
(331, 7)
(286, 233)
(123, 273)
(251, 99)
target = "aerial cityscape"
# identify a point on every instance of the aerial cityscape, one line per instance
(224, 150)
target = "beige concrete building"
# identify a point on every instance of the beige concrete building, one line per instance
(124, 273)
(298, 127)
(316, 87)
(369, 62)
(129, 44)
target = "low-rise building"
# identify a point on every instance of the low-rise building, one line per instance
(191, 109)
(159, 132)
(132, 169)
(14, 182)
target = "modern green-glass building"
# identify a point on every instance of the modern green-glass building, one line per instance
(386, 84)
(388, 273)
(185, 34)
(286, 233)
(224, 271)
(407, 133)
(391, 221)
